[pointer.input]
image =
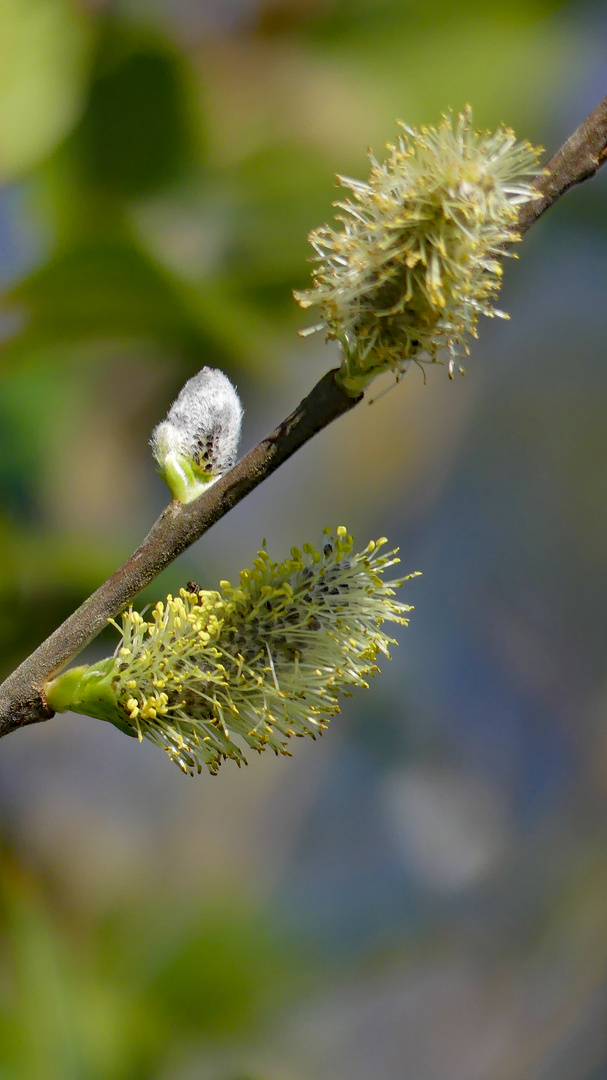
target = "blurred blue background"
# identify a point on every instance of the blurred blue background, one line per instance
(423, 895)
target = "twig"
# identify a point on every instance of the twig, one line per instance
(577, 160)
(21, 698)
(21, 695)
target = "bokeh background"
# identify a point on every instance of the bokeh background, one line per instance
(423, 895)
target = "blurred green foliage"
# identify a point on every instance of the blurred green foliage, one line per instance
(116, 999)
(44, 58)
(133, 135)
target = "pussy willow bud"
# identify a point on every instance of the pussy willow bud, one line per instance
(197, 442)
(250, 665)
(417, 257)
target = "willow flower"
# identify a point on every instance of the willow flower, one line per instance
(248, 665)
(417, 257)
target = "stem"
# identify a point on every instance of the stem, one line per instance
(22, 699)
(577, 160)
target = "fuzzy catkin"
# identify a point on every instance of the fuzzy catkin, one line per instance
(198, 440)
(417, 257)
(255, 664)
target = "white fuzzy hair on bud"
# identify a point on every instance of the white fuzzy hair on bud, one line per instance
(198, 440)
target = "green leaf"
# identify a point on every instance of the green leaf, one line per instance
(135, 135)
(103, 290)
(44, 47)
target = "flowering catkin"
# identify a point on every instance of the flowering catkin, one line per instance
(417, 258)
(261, 661)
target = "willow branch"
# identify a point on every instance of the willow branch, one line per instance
(577, 160)
(21, 695)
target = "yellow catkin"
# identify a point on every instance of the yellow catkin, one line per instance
(416, 258)
(212, 673)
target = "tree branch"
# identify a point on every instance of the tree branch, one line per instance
(21, 695)
(577, 160)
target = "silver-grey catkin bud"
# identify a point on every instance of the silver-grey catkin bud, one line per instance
(198, 441)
